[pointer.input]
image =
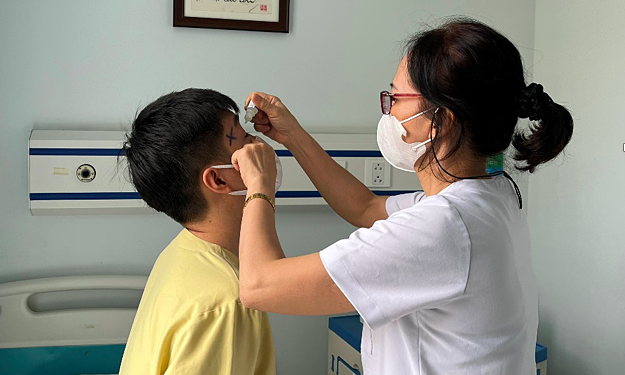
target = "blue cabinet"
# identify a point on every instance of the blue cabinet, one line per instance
(344, 348)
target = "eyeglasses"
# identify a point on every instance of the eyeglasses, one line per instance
(387, 100)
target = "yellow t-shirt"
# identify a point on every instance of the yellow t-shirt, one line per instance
(191, 321)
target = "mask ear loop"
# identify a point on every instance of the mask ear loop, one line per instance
(225, 166)
(415, 116)
(498, 173)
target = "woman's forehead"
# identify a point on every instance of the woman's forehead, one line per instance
(401, 81)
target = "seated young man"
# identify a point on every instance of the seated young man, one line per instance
(190, 319)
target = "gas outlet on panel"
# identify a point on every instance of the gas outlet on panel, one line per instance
(377, 173)
(85, 173)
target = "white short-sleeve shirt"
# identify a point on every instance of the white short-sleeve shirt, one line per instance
(445, 284)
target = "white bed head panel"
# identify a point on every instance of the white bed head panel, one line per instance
(57, 159)
(72, 310)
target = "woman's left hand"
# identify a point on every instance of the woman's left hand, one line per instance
(256, 162)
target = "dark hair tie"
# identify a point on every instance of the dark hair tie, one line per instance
(533, 102)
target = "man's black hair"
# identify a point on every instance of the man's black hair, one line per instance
(172, 140)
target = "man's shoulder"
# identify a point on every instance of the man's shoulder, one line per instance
(192, 279)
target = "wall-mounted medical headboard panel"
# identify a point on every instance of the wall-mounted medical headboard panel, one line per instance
(80, 172)
(85, 172)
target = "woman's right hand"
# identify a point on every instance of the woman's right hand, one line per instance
(273, 118)
(347, 196)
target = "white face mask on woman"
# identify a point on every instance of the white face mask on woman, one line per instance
(398, 153)
(278, 175)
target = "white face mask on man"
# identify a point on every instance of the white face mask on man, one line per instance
(278, 175)
(398, 153)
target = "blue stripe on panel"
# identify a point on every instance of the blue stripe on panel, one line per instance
(77, 152)
(121, 152)
(340, 153)
(83, 196)
(134, 195)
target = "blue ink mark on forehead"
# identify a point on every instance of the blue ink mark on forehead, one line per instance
(231, 136)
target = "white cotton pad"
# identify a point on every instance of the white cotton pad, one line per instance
(250, 112)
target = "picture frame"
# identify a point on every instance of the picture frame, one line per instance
(251, 15)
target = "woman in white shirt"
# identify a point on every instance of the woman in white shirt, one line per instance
(442, 278)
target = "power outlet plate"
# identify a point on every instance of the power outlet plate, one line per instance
(377, 173)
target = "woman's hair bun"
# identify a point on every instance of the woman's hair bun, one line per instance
(533, 102)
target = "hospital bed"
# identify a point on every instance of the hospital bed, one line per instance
(67, 325)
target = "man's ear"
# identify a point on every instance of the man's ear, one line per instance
(212, 178)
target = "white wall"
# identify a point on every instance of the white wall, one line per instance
(91, 64)
(576, 204)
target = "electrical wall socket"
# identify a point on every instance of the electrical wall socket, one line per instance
(377, 173)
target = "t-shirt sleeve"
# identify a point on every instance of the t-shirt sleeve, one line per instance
(228, 341)
(399, 202)
(416, 259)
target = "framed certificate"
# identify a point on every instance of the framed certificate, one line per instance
(253, 15)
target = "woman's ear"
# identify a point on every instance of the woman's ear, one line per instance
(443, 118)
(451, 116)
(436, 119)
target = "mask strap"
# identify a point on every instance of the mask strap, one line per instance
(415, 146)
(225, 166)
(417, 115)
(430, 139)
